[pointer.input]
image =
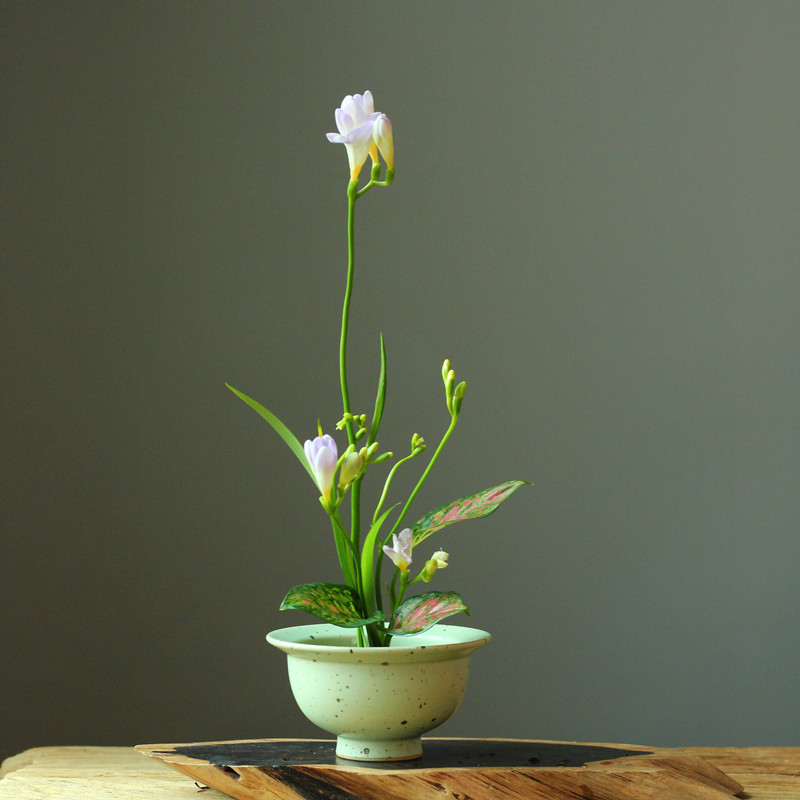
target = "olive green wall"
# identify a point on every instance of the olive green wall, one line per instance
(595, 217)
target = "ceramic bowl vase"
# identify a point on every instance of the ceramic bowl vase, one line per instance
(378, 701)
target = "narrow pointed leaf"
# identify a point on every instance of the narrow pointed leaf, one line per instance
(368, 560)
(419, 613)
(380, 399)
(279, 428)
(476, 505)
(331, 602)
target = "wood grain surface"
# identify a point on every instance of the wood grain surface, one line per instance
(461, 769)
(114, 773)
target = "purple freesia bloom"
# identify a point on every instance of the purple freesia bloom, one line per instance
(322, 456)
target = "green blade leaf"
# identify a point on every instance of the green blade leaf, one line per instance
(419, 613)
(476, 505)
(379, 400)
(279, 428)
(331, 602)
(368, 560)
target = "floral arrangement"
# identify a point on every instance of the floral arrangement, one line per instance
(360, 601)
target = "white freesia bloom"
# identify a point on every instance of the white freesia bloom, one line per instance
(400, 552)
(355, 119)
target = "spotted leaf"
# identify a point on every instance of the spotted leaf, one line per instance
(476, 505)
(419, 613)
(331, 602)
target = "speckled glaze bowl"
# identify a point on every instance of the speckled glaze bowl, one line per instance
(378, 700)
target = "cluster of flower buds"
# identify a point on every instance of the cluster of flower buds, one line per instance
(454, 393)
(358, 420)
(370, 454)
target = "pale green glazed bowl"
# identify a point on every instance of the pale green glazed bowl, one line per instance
(378, 700)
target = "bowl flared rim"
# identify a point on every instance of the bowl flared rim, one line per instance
(324, 640)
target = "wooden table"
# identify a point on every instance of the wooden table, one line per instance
(112, 773)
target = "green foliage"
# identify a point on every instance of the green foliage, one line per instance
(476, 505)
(279, 428)
(417, 614)
(331, 602)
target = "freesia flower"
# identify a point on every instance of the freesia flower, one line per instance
(437, 561)
(382, 134)
(400, 553)
(322, 456)
(351, 466)
(355, 119)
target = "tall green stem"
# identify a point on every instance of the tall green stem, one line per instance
(348, 293)
(355, 489)
(355, 493)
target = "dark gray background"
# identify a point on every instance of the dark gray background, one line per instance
(595, 216)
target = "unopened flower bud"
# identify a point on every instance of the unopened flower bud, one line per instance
(445, 369)
(351, 466)
(437, 561)
(458, 396)
(321, 454)
(382, 134)
(449, 384)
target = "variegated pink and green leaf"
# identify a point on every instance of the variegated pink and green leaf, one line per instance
(419, 613)
(331, 602)
(476, 505)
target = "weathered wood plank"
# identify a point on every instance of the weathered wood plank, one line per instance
(93, 773)
(456, 769)
(767, 773)
(114, 773)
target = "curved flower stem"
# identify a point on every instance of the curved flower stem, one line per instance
(379, 559)
(369, 185)
(424, 476)
(374, 174)
(386, 485)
